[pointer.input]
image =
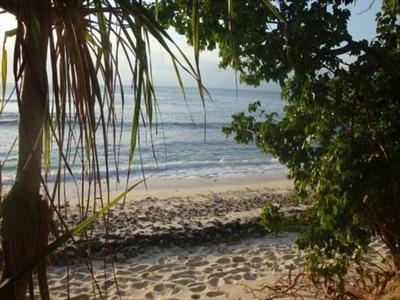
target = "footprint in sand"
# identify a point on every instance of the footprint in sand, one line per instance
(287, 256)
(108, 284)
(158, 288)
(176, 291)
(79, 276)
(138, 268)
(257, 266)
(257, 259)
(183, 281)
(196, 283)
(149, 296)
(198, 288)
(196, 263)
(122, 272)
(117, 297)
(62, 295)
(184, 274)
(154, 268)
(64, 279)
(213, 282)
(82, 290)
(248, 276)
(124, 279)
(167, 267)
(53, 282)
(233, 277)
(218, 274)
(268, 265)
(238, 259)
(213, 294)
(223, 260)
(122, 286)
(228, 281)
(270, 256)
(180, 268)
(243, 269)
(154, 277)
(195, 297)
(81, 296)
(139, 285)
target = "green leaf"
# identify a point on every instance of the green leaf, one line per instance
(196, 46)
(3, 72)
(7, 34)
(182, 87)
(136, 114)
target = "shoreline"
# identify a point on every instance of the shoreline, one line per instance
(186, 215)
(169, 187)
(187, 187)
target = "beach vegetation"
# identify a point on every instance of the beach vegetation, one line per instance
(275, 220)
(66, 62)
(272, 218)
(339, 135)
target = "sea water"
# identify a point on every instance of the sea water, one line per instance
(186, 139)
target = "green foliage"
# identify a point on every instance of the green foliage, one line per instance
(340, 139)
(268, 43)
(276, 221)
(340, 134)
(272, 218)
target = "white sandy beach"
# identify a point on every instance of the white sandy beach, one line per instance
(228, 265)
(222, 271)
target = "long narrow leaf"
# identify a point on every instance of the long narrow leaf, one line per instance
(182, 87)
(3, 73)
(4, 62)
(196, 46)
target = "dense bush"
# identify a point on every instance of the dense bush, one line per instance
(340, 134)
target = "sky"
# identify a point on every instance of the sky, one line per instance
(361, 26)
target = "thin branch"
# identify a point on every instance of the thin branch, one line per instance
(368, 8)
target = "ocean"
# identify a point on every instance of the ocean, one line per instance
(178, 146)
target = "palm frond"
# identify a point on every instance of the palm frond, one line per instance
(86, 42)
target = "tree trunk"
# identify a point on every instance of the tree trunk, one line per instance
(25, 225)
